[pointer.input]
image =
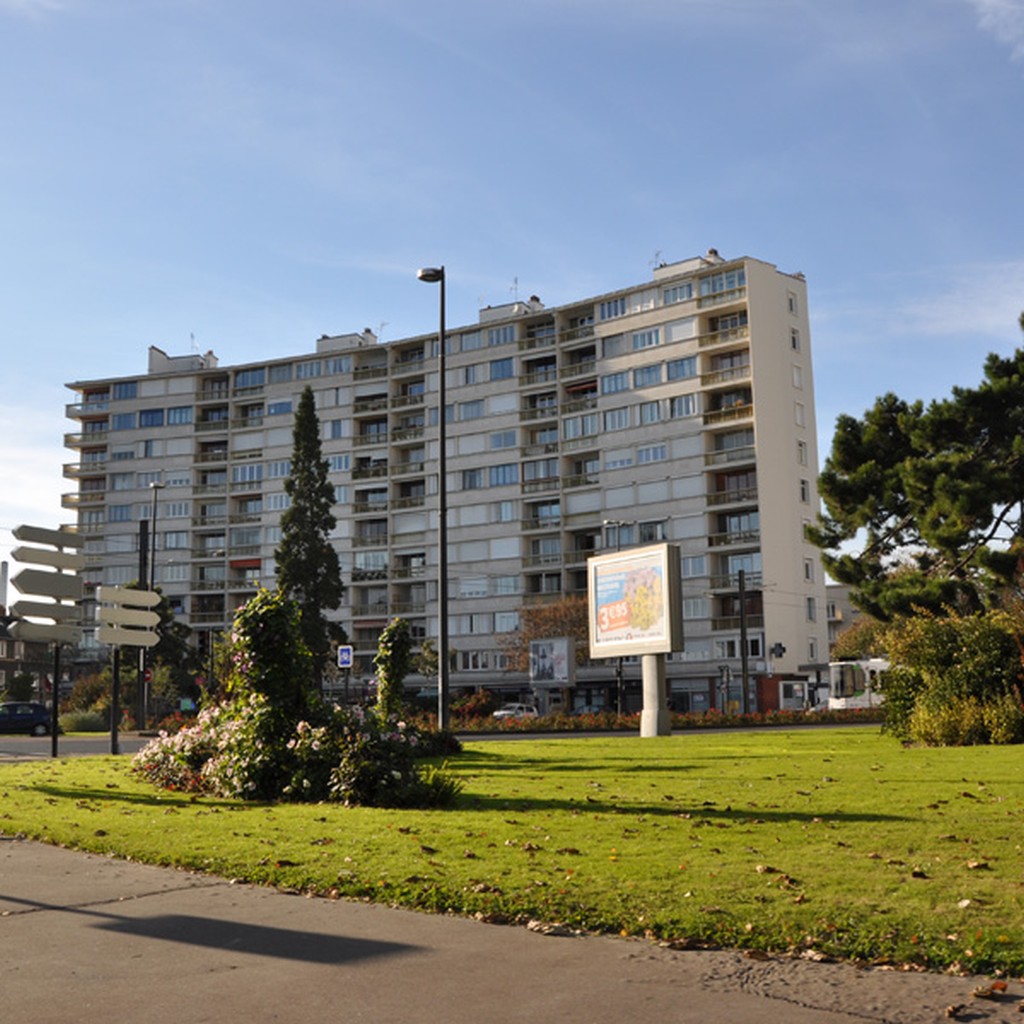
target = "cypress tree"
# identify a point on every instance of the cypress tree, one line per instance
(307, 564)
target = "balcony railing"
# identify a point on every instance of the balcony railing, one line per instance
(721, 298)
(362, 440)
(374, 404)
(80, 410)
(404, 401)
(409, 501)
(731, 581)
(369, 472)
(369, 372)
(582, 480)
(586, 368)
(726, 376)
(732, 623)
(732, 496)
(745, 537)
(729, 335)
(730, 415)
(545, 412)
(728, 456)
(91, 437)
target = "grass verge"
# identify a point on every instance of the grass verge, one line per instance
(826, 842)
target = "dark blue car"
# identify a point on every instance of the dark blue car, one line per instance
(25, 716)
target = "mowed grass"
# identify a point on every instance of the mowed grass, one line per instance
(821, 841)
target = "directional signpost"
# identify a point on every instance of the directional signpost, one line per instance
(53, 593)
(127, 619)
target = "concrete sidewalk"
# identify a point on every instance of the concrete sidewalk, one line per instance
(89, 939)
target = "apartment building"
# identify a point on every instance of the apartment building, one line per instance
(680, 409)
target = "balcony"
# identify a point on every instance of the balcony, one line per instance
(731, 581)
(543, 376)
(586, 368)
(369, 373)
(748, 538)
(75, 470)
(533, 450)
(545, 523)
(85, 439)
(206, 426)
(363, 440)
(407, 434)
(579, 404)
(582, 480)
(733, 414)
(377, 505)
(409, 501)
(532, 344)
(371, 541)
(369, 472)
(374, 404)
(547, 483)
(576, 333)
(730, 456)
(82, 410)
(726, 376)
(77, 499)
(218, 455)
(739, 495)
(722, 298)
(532, 561)
(732, 623)
(247, 422)
(213, 393)
(539, 412)
(405, 401)
(727, 337)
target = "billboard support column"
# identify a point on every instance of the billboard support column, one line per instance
(654, 718)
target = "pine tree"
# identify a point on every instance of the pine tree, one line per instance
(307, 564)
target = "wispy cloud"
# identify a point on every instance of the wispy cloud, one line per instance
(1005, 20)
(30, 8)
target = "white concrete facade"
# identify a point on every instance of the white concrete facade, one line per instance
(682, 408)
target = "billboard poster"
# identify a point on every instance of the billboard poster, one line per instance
(552, 662)
(633, 599)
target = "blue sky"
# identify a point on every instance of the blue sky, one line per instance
(246, 175)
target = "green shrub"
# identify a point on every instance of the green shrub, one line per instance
(967, 721)
(1004, 719)
(84, 721)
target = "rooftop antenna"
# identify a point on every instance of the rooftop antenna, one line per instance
(657, 261)
(380, 329)
(192, 339)
(515, 289)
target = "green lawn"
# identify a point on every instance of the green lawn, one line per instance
(839, 841)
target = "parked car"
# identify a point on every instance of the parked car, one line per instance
(25, 716)
(516, 711)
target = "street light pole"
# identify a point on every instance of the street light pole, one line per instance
(148, 584)
(436, 275)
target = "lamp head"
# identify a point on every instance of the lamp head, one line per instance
(430, 274)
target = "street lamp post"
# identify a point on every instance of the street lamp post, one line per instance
(435, 275)
(148, 582)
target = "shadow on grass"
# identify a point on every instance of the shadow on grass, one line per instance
(161, 798)
(674, 808)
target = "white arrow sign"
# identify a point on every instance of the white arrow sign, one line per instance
(39, 535)
(42, 610)
(39, 632)
(122, 637)
(128, 596)
(44, 556)
(38, 583)
(118, 615)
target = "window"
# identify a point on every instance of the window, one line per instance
(175, 540)
(723, 282)
(805, 491)
(812, 610)
(579, 426)
(281, 374)
(503, 512)
(340, 494)
(471, 373)
(677, 293)
(471, 341)
(506, 622)
(652, 532)
(801, 452)
(307, 370)
(178, 509)
(614, 382)
(338, 364)
(151, 418)
(647, 376)
(651, 453)
(800, 414)
(279, 408)
(619, 459)
(503, 586)
(650, 412)
(791, 302)
(681, 369)
(502, 369)
(179, 414)
(684, 405)
(247, 474)
(145, 479)
(278, 469)
(122, 421)
(613, 308)
(471, 410)
(336, 463)
(696, 608)
(812, 650)
(646, 339)
(472, 479)
(541, 469)
(794, 339)
(695, 565)
(251, 378)
(501, 335)
(280, 501)
(809, 570)
(119, 513)
(504, 474)
(122, 481)
(503, 439)
(473, 586)
(617, 419)
(612, 345)
(798, 377)
(124, 389)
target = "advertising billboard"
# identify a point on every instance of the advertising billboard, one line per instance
(634, 602)
(552, 662)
